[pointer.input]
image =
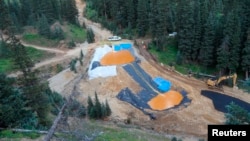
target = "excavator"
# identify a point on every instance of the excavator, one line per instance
(216, 83)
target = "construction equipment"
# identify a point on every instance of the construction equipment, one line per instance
(216, 83)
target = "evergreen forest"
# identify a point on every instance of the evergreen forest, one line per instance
(211, 33)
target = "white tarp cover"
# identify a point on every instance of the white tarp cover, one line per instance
(101, 71)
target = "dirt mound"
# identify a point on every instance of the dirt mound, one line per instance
(166, 100)
(117, 58)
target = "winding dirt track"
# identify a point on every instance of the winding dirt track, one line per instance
(188, 122)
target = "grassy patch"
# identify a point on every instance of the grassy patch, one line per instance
(71, 32)
(36, 54)
(169, 56)
(75, 33)
(14, 135)
(36, 39)
(128, 135)
(6, 65)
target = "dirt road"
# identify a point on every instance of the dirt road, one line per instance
(189, 122)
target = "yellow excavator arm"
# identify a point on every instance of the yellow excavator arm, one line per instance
(218, 81)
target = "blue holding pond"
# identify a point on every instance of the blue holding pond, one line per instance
(163, 85)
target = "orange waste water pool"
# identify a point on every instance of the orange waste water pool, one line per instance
(117, 58)
(166, 100)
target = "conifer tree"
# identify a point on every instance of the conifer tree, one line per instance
(90, 106)
(223, 55)
(108, 110)
(4, 18)
(71, 14)
(142, 18)
(34, 90)
(206, 56)
(246, 56)
(98, 107)
(43, 27)
(236, 115)
(13, 110)
(90, 35)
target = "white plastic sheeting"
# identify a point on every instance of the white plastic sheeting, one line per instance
(101, 71)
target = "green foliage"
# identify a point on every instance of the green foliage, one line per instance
(75, 33)
(107, 108)
(59, 68)
(76, 109)
(33, 89)
(202, 27)
(6, 65)
(236, 115)
(71, 13)
(57, 33)
(13, 109)
(37, 39)
(81, 58)
(71, 44)
(73, 65)
(13, 135)
(5, 51)
(245, 55)
(43, 27)
(4, 16)
(90, 35)
(142, 23)
(98, 110)
(117, 134)
(245, 85)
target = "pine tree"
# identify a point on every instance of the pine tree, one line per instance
(142, 19)
(103, 111)
(90, 35)
(13, 111)
(4, 18)
(206, 56)
(246, 56)
(223, 55)
(108, 110)
(186, 33)
(236, 115)
(90, 106)
(197, 31)
(71, 14)
(232, 30)
(81, 57)
(73, 65)
(43, 27)
(131, 4)
(98, 107)
(34, 90)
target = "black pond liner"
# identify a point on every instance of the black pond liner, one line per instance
(221, 100)
(140, 100)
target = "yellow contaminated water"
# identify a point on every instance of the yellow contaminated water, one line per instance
(117, 58)
(166, 100)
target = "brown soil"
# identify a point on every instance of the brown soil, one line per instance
(186, 121)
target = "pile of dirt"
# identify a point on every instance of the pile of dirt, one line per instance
(166, 100)
(117, 58)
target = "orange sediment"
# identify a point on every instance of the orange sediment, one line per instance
(166, 100)
(117, 58)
